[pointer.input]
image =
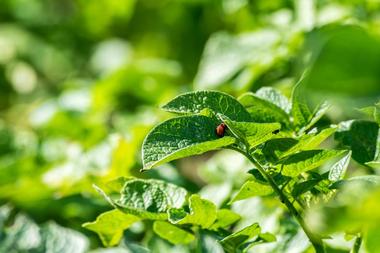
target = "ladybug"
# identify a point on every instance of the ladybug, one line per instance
(221, 129)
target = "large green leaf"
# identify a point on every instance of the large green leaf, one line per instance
(172, 233)
(362, 137)
(275, 97)
(253, 133)
(181, 137)
(232, 242)
(148, 199)
(261, 110)
(202, 213)
(305, 161)
(279, 148)
(252, 188)
(218, 102)
(224, 219)
(111, 225)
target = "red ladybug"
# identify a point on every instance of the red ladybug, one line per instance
(221, 129)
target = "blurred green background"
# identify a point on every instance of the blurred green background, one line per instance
(81, 83)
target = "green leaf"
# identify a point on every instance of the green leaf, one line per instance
(148, 199)
(305, 186)
(362, 137)
(373, 112)
(262, 110)
(57, 239)
(371, 241)
(267, 237)
(151, 198)
(275, 97)
(300, 110)
(224, 219)
(253, 133)
(202, 213)
(172, 233)
(252, 188)
(283, 147)
(111, 225)
(181, 137)
(218, 102)
(373, 164)
(22, 236)
(305, 161)
(338, 170)
(302, 116)
(317, 115)
(232, 242)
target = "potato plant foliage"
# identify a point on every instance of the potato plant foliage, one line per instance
(281, 139)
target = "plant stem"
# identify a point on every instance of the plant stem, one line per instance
(315, 240)
(357, 244)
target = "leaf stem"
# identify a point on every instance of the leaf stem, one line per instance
(315, 240)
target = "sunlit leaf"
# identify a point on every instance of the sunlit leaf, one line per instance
(202, 213)
(305, 161)
(181, 137)
(252, 133)
(232, 242)
(275, 97)
(111, 225)
(300, 110)
(148, 199)
(172, 233)
(252, 188)
(224, 219)
(279, 148)
(262, 110)
(218, 102)
(338, 170)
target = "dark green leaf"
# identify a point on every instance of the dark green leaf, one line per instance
(362, 138)
(305, 186)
